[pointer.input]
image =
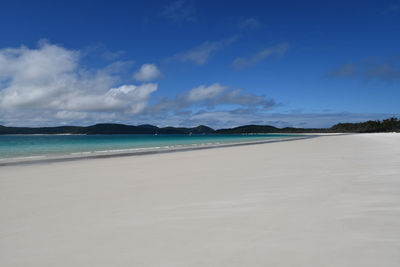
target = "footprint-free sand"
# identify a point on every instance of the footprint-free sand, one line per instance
(325, 201)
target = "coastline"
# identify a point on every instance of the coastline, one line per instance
(138, 151)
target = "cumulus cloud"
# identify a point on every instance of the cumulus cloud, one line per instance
(147, 72)
(48, 82)
(130, 99)
(241, 62)
(202, 93)
(201, 54)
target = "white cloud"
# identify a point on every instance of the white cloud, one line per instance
(216, 94)
(202, 92)
(208, 98)
(130, 99)
(241, 62)
(148, 72)
(47, 83)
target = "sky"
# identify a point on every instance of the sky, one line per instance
(192, 62)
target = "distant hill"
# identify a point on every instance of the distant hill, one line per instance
(270, 129)
(388, 125)
(106, 128)
(250, 129)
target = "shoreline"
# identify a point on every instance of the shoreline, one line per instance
(40, 159)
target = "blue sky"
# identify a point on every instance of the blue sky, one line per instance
(188, 62)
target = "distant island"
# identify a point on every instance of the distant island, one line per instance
(388, 125)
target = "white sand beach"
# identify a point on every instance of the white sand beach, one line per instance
(325, 201)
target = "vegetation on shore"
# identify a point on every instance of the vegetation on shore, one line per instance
(388, 125)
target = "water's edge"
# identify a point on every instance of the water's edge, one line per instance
(149, 151)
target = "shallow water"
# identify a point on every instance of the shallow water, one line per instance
(26, 146)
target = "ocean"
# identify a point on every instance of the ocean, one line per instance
(21, 147)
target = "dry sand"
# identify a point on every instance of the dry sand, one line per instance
(326, 201)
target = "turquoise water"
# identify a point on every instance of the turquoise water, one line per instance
(20, 146)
